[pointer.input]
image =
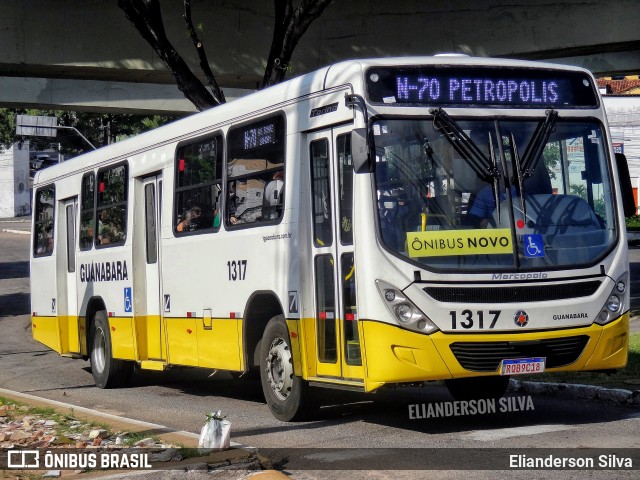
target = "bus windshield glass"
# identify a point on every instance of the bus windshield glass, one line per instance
(485, 194)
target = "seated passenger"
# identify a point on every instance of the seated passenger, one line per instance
(191, 220)
(272, 201)
(481, 206)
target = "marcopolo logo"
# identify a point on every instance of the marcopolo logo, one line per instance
(519, 276)
(521, 318)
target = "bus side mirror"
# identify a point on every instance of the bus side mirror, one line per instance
(360, 151)
(628, 201)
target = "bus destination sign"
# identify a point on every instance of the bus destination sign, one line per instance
(480, 87)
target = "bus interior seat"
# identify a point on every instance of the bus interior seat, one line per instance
(539, 182)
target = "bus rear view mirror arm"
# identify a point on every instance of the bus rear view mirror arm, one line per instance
(628, 202)
(359, 136)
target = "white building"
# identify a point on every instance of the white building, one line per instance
(623, 113)
(14, 181)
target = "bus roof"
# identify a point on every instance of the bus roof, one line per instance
(342, 73)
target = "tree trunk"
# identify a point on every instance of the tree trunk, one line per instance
(146, 17)
(217, 93)
(289, 26)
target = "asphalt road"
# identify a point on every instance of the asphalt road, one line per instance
(181, 398)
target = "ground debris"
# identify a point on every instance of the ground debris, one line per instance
(26, 427)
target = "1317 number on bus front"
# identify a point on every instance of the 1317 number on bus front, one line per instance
(469, 319)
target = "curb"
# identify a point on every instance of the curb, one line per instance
(20, 232)
(235, 459)
(619, 396)
(187, 439)
(166, 434)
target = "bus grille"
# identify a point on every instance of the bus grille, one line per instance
(486, 356)
(512, 294)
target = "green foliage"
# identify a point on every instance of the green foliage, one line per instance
(579, 190)
(598, 203)
(551, 156)
(633, 222)
(599, 207)
(133, 437)
(99, 128)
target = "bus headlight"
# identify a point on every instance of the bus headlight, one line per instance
(403, 309)
(614, 305)
(404, 313)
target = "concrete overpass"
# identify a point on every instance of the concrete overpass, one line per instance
(85, 55)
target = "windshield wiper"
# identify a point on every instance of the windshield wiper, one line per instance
(516, 158)
(534, 150)
(460, 141)
(496, 195)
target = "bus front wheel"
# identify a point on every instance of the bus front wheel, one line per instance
(285, 393)
(476, 388)
(107, 371)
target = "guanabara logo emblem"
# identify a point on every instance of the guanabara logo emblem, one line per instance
(521, 318)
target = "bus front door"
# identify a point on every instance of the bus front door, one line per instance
(336, 326)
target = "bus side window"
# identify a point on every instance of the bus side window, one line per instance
(321, 193)
(44, 222)
(198, 185)
(111, 206)
(255, 171)
(87, 211)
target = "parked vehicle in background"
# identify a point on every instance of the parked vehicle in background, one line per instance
(37, 162)
(48, 162)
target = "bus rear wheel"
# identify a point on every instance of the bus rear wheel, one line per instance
(286, 394)
(107, 371)
(477, 387)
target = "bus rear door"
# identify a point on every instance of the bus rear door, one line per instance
(66, 266)
(148, 289)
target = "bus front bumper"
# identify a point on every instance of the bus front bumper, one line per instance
(396, 355)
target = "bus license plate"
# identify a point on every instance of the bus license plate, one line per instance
(522, 366)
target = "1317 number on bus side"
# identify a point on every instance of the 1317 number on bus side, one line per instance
(469, 319)
(237, 269)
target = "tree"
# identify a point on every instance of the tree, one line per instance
(290, 25)
(99, 128)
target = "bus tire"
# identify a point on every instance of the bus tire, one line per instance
(287, 395)
(107, 371)
(476, 388)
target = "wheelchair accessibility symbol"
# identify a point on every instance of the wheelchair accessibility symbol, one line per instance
(128, 307)
(533, 245)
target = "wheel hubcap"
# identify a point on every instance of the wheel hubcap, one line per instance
(98, 353)
(280, 368)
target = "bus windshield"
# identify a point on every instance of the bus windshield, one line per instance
(486, 194)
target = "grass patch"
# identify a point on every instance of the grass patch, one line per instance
(627, 378)
(7, 401)
(189, 452)
(132, 437)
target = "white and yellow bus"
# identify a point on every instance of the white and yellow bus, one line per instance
(376, 222)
